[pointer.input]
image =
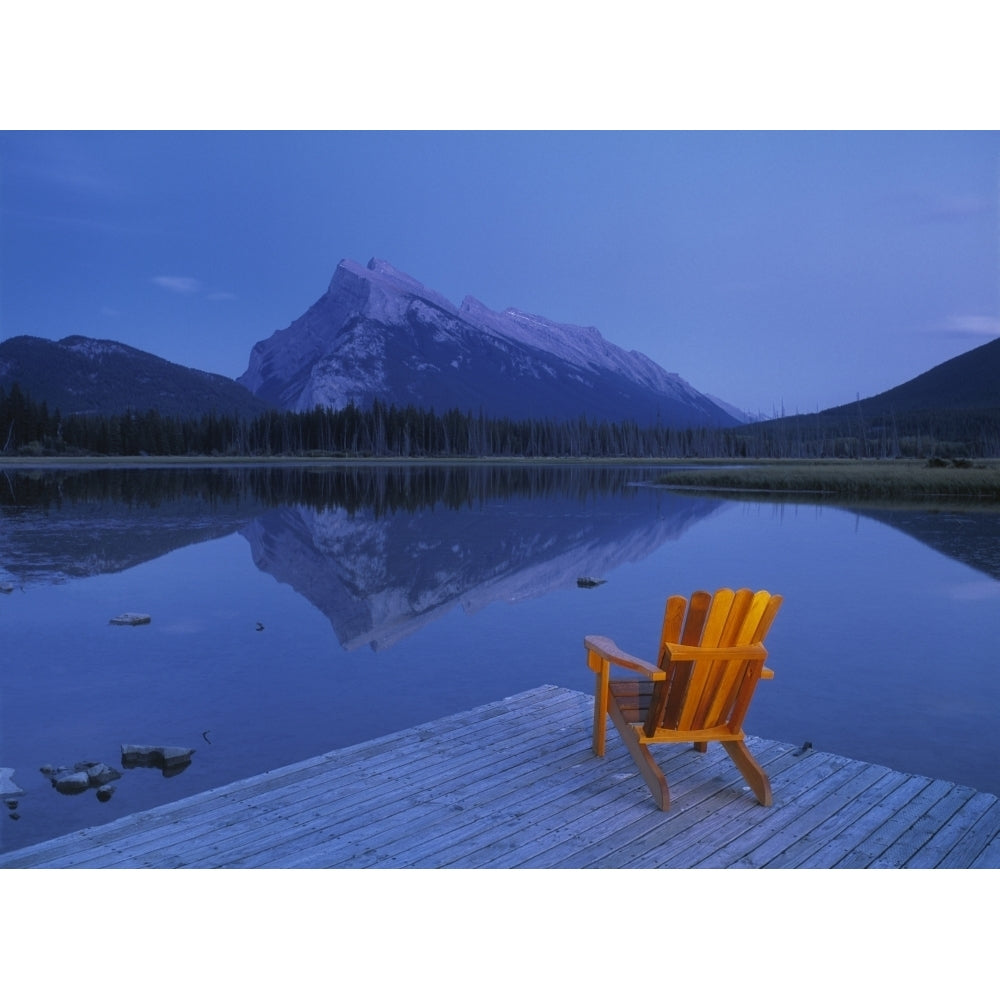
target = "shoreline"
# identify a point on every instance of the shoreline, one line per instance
(206, 461)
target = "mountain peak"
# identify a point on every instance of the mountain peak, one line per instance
(380, 274)
(384, 267)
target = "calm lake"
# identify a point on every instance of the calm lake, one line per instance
(298, 609)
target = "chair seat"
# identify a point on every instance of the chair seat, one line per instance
(633, 698)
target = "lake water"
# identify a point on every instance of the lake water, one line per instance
(301, 609)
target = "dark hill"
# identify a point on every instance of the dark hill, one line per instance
(953, 410)
(969, 381)
(79, 375)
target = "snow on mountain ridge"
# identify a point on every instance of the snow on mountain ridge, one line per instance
(389, 299)
(93, 348)
(382, 275)
(583, 346)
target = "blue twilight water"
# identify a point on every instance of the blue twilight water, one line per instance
(393, 596)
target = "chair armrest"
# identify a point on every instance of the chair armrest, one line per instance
(675, 651)
(610, 653)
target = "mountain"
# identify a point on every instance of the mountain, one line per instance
(969, 381)
(951, 410)
(740, 416)
(81, 375)
(378, 333)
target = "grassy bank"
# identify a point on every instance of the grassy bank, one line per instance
(871, 480)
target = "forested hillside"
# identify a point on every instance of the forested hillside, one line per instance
(83, 375)
(952, 409)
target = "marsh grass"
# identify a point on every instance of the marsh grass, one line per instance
(871, 480)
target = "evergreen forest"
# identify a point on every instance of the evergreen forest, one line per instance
(29, 428)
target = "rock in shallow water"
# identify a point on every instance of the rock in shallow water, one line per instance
(7, 786)
(169, 760)
(71, 782)
(131, 618)
(101, 774)
(81, 776)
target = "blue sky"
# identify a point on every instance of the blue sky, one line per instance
(771, 269)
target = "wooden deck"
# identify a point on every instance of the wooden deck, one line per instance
(514, 784)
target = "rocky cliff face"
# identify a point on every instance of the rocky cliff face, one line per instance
(378, 333)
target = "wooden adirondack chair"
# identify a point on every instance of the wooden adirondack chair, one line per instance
(710, 660)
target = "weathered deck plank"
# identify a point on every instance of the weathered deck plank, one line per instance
(895, 824)
(837, 830)
(838, 846)
(951, 833)
(814, 808)
(514, 784)
(694, 798)
(976, 840)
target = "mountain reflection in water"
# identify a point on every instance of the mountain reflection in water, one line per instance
(379, 579)
(360, 543)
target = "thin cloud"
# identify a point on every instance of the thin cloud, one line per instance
(960, 207)
(979, 590)
(975, 326)
(923, 208)
(955, 208)
(182, 286)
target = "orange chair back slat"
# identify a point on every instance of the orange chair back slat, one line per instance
(669, 696)
(702, 677)
(727, 676)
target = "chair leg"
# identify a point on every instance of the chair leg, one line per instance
(650, 772)
(751, 770)
(648, 767)
(700, 747)
(601, 683)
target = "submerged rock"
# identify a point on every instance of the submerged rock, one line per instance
(131, 618)
(71, 782)
(169, 760)
(101, 774)
(81, 776)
